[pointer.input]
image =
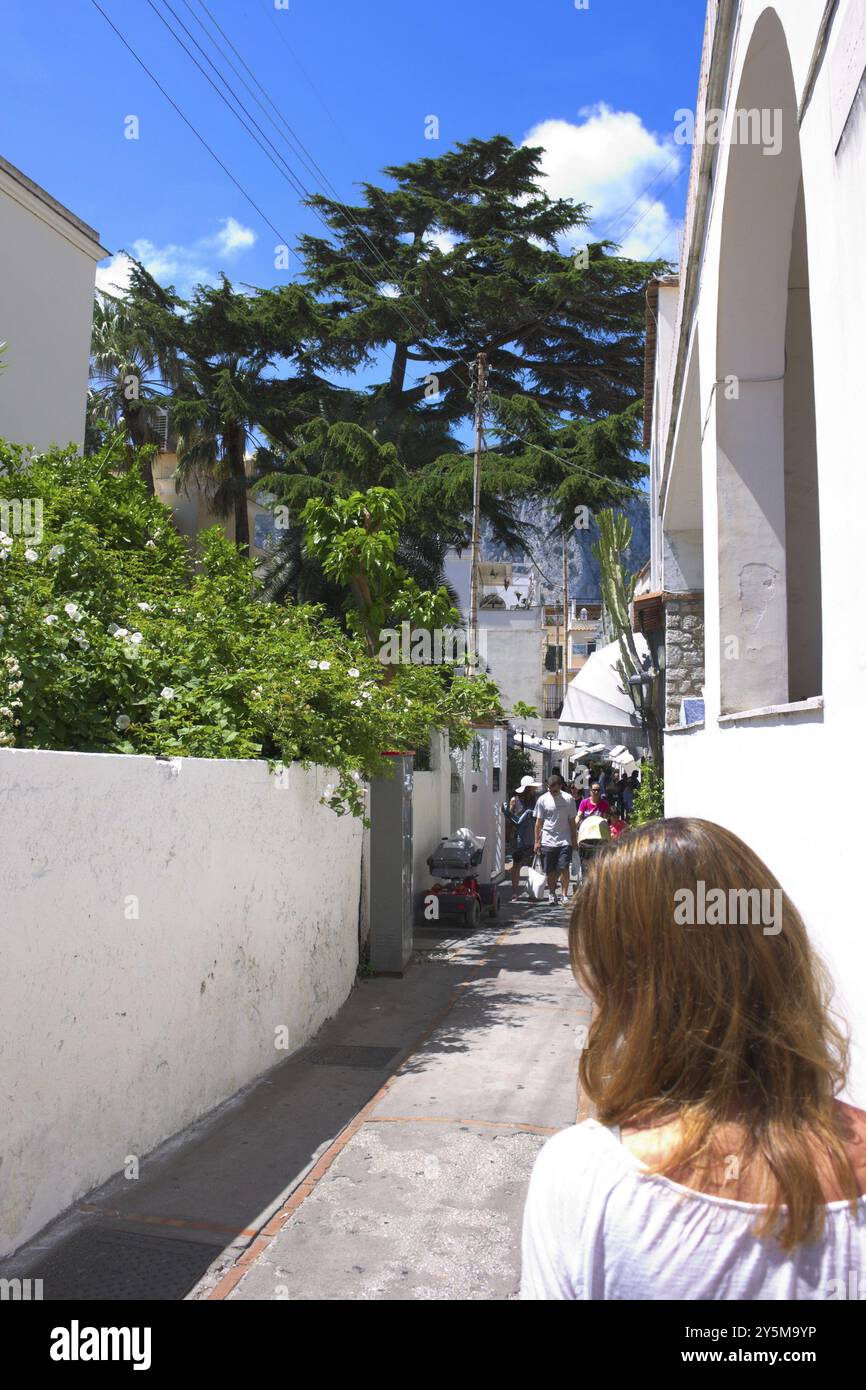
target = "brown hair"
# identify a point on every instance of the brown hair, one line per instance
(711, 1025)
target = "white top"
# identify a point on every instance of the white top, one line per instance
(597, 1225)
(557, 812)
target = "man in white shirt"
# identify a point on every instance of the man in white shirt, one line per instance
(556, 834)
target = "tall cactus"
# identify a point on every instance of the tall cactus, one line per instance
(615, 532)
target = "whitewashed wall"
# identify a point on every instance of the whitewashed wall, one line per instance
(763, 775)
(47, 272)
(431, 815)
(762, 780)
(158, 923)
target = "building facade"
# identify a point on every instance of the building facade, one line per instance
(757, 366)
(48, 262)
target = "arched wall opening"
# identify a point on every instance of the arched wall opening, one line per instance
(769, 534)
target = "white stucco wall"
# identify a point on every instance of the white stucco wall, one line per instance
(118, 1030)
(513, 646)
(759, 780)
(758, 775)
(431, 815)
(47, 272)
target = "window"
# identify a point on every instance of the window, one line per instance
(553, 659)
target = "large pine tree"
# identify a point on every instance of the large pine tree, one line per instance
(467, 253)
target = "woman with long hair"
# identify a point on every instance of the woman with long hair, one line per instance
(721, 1163)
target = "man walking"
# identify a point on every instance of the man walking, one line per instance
(556, 834)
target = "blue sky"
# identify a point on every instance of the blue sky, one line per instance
(598, 87)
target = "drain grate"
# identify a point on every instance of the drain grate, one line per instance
(352, 1055)
(122, 1265)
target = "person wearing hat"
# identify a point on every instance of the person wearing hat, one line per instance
(519, 814)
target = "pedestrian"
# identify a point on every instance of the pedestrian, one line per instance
(523, 838)
(593, 805)
(556, 835)
(627, 797)
(720, 1164)
(616, 823)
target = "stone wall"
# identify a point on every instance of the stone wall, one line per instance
(684, 652)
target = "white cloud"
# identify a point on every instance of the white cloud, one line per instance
(610, 160)
(179, 265)
(233, 236)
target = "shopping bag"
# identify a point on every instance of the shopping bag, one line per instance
(536, 881)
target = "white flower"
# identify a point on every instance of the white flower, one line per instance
(72, 610)
(150, 545)
(167, 693)
(122, 722)
(120, 632)
(313, 665)
(324, 665)
(5, 711)
(56, 551)
(145, 607)
(31, 555)
(136, 638)
(328, 793)
(81, 640)
(6, 542)
(365, 695)
(353, 672)
(358, 703)
(52, 618)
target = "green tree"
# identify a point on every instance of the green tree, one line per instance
(130, 376)
(356, 540)
(464, 255)
(227, 345)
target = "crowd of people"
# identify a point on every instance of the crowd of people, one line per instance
(544, 827)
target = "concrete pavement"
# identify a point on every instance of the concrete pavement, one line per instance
(388, 1159)
(423, 1197)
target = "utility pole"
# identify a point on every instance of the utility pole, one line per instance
(480, 375)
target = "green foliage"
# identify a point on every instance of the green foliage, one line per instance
(649, 800)
(615, 532)
(522, 710)
(110, 642)
(355, 539)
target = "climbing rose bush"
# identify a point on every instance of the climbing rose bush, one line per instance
(113, 640)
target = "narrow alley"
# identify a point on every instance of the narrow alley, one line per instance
(388, 1159)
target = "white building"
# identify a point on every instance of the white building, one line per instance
(758, 483)
(47, 271)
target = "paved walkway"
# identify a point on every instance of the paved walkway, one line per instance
(387, 1160)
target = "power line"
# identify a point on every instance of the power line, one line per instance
(155, 80)
(296, 184)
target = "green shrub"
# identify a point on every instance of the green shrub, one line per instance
(111, 641)
(649, 800)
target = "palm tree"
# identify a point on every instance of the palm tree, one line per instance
(129, 377)
(227, 344)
